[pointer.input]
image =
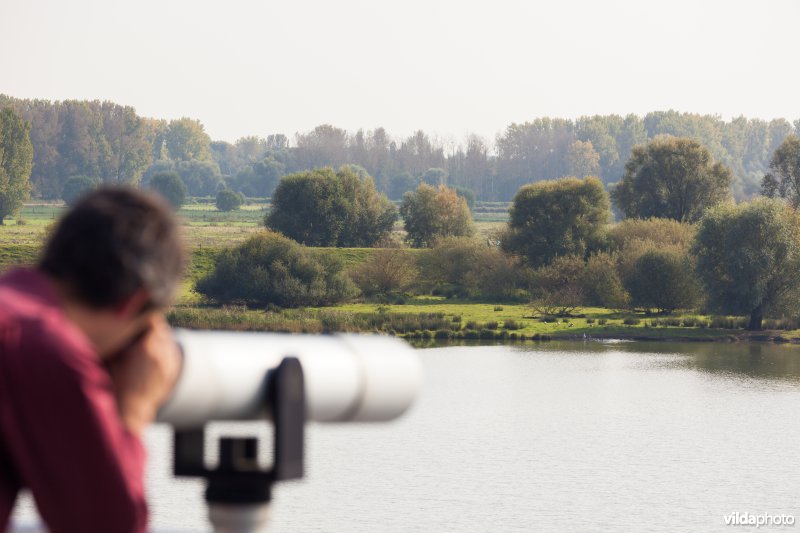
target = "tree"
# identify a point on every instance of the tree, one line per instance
(559, 217)
(260, 178)
(582, 159)
(228, 200)
(201, 178)
(429, 213)
(77, 186)
(170, 186)
(434, 177)
(186, 140)
(401, 184)
(784, 177)
(748, 258)
(671, 177)
(269, 268)
(663, 279)
(326, 208)
(391, 270)
(16, 162)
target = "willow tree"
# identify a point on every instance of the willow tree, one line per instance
(671, 177)
(748, 259)
(548, 219)
(783, 178)
(16, 161)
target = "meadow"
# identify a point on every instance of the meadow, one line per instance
(208, 231)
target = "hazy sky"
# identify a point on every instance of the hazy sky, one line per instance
(449, 67)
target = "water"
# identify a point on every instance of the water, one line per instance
(550, 437)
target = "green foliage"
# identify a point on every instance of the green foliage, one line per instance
(582, 159)
(602, 284)
(671, 177)
(472, 268)
(748, 259)
(434, 177)
(170, 186)
(430, 213)
(259, 178)
(658, 231)
(16, 160)
(228, 200)
(326, 208)
(77, 186)
(269, 268)
(557, 288)
(186, 140)
(783, 179)
(554, 218)
(663, 279)
(391, 270)
(468, 195)
(400, 184)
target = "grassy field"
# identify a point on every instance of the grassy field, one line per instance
(203, 225)
(208, 231)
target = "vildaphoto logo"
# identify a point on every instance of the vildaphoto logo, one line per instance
(758, 520)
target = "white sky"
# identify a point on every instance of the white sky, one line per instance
(254, 67)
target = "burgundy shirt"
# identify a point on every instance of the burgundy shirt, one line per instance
(61, 435)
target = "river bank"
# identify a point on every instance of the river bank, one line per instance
(438, 319)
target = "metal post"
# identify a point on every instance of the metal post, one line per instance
(238, 491)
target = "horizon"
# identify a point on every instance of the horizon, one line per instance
(445, 68)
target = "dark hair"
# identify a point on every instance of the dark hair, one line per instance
(113, 242)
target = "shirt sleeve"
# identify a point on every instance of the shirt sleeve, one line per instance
(84, 469)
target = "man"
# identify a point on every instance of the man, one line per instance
(86, 358)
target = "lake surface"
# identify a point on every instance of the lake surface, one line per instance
(581, 436)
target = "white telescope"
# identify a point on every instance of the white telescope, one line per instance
(286, 379)
(348, 377)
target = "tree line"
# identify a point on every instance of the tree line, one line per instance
(683, 243)
(107, 142)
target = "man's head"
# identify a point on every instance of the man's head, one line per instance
(118, 251)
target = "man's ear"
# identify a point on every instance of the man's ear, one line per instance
(133, 306)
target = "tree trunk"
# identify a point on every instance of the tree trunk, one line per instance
(756, 316)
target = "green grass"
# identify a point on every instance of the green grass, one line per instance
(17, 255)
(203, 225)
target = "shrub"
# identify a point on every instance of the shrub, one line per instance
(512, 324)
(631, 321)
(321, 207)
(430, 213)
(492, 324)
(170, 186)
(658, 231)
(558, 288)
(75, 187)
(590, 320)
(487, 334)
(228, 200)
(495, 274)
(663, 280)
(602, 321)
(602, 284)
(556, 218)
(391, 270)
(268, 268)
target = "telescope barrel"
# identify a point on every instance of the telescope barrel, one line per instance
(348, 377)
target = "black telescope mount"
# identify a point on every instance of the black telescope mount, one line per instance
(238, 491)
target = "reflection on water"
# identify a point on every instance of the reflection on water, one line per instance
(558, 436)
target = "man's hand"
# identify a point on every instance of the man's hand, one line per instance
(144, 374)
